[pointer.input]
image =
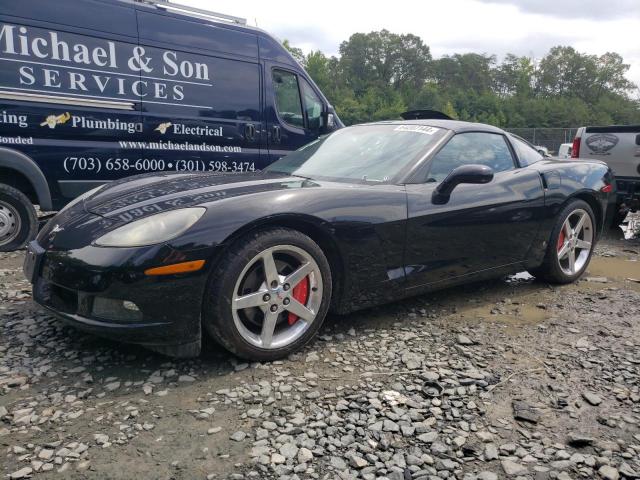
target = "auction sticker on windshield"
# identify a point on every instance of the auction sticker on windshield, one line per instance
(417, 129)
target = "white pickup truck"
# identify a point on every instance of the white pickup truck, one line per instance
(619, 147)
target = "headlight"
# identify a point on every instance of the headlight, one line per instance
(157, 228)
(80, 198)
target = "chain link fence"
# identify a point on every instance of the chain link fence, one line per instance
(551, 138)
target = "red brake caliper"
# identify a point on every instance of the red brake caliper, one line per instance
(301, 294)
(560, 240)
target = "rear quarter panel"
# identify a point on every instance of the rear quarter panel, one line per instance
(566, 180)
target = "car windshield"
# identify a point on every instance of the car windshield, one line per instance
(364, 153)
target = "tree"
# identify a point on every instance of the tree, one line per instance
(381, 74)
(383, 59)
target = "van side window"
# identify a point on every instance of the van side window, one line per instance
(312, 106)
(288, 100)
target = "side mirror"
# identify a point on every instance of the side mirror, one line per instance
(328, 122)
(465, 174)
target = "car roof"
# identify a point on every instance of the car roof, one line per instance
(456, 126)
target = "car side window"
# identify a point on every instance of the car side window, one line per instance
(526, 153)
(473, 148)
(312, 106)
(287, 94)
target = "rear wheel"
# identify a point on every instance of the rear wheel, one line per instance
(571, 244)
(269, 295)
(18, 219)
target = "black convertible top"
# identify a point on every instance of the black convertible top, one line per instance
(453, 125)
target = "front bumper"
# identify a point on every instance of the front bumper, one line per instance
(104, 291)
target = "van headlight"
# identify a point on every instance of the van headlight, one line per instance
(157, 228)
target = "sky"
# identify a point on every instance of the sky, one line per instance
(523, 27)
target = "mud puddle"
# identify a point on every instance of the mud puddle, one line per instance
(611, 267)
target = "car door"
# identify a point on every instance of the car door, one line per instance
(481, 227)
(293, 110)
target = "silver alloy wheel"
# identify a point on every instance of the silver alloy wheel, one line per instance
(274, 297)
(575, 242)
(10, 223)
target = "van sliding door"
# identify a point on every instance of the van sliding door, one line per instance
(201, 109)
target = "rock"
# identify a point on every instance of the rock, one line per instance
(490, 452)
(277, 459)
(512, 468)
(428, 437)
(186, 379)
(485, 475)
(101, 438)
(213, 430)
(583, 342)
(46, 454)
(238, 436)
(577, 440)
(110, 387)
(597, 279)
(304, 455)
(411, 360)
(338, 463)
(288, 450)
(357, 462)
(628, 472)
(592, 398)
(608, 472)
(22, 473)
(464, 340)
(524, 412)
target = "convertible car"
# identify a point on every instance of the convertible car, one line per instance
(369, 214)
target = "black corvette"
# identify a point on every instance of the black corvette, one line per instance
(367, 215)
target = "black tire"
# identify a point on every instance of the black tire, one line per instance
(217, 309)
(18, 219)
(550, 270)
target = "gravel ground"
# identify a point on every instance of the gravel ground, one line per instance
(506, 379)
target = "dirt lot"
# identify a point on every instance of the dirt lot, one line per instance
(507, 379)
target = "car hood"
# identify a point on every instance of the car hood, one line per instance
(133, 198)
(127, 200)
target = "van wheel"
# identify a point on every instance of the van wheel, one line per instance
(18, 219)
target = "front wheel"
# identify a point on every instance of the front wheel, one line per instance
(18, 219)
(269, 295)
(571, 245)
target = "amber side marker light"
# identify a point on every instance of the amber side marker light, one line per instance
(183, 267)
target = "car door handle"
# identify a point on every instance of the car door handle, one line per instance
(250, 132)
(276, 135)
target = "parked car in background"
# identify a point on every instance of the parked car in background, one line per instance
(366, 215)
(95, 90)
(619, 147)
(542, 150)
(565, 150)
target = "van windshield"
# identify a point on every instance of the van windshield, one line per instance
(364, 153)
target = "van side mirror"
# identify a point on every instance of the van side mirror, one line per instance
(464, 174)
(328, 122)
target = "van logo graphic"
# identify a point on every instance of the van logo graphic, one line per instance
(163, 127)
(52, 120)
(601, 143)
